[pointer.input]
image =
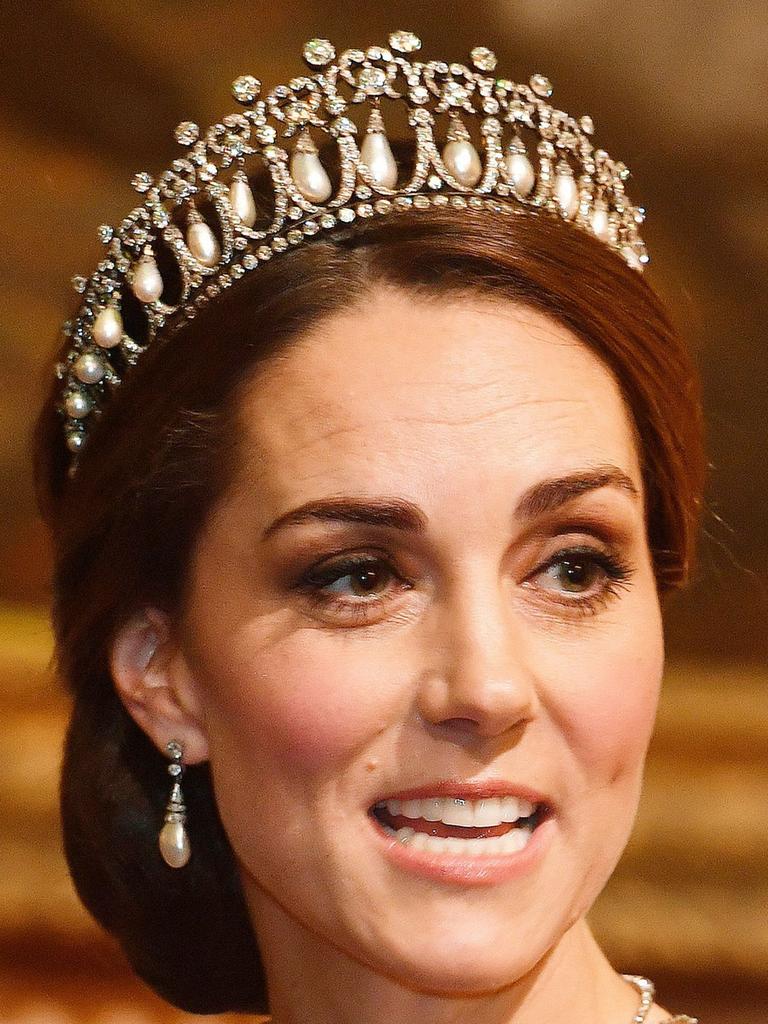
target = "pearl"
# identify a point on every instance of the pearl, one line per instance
(89, 368)
(567, 195)
(174, 844)
(242, 202)
(107, 330)
(75, 440)
(520, 173)
(203, 244)
(463, 161)
(77, 405)
(600, 223)
(376, 153)
(310, 176)
(147, 285)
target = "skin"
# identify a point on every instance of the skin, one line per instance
(470, 657)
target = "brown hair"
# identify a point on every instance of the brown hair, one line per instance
(164, 452)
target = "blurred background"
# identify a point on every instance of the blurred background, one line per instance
(90, 92)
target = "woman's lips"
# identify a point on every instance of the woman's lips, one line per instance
(464, 828)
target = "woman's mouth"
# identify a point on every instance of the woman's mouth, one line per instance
(486, 827)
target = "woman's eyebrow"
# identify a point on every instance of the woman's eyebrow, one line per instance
(549, 495)
(396, 513)
(400, 514)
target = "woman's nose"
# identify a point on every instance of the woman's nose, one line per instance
(479, 679)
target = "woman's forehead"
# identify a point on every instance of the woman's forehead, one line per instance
(467, 384)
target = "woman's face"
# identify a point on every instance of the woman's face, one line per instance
(426, 602)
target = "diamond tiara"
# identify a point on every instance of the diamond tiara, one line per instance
(202, 211)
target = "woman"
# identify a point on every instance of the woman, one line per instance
(369, 543)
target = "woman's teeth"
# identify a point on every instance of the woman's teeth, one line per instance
(512, 842)
(453, 825)
(485, 813)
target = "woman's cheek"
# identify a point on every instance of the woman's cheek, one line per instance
(602, 691)
(307, 703)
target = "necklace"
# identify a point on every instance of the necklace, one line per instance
(647, 992)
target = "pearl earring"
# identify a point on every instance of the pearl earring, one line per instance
(173, 840)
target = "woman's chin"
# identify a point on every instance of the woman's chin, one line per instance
(462, 969)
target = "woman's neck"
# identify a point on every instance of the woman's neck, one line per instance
(311, 982)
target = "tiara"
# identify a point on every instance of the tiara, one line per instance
(202, 215)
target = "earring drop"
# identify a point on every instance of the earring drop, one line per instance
(173, 840)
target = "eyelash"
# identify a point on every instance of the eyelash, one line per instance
(313, 584)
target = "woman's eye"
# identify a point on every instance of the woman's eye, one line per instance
(364, 580)
(352, 586)
(586, 579)
(574, 573)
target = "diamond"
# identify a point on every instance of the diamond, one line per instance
(382, 206)
(318, 52)
(335, 105)
(434, 181)
(421, 202)
(250, 261)
(419, 94)
(454, 94)
(141, 181)
(404, 42)
(79, 283)
(483, 58)
(279, 244)
(365, 210)
(346, 215)
(623, 171)
(372, 79)
(327, 220)
(344, 126)
(298, 112)
(294, 236)
(587, 125)
(491, 105)
(246, 88)
(541, 85)
(266, 134)
(105, 233)
(187, 133)
(311, 227)
(264, 252)
(174, 769)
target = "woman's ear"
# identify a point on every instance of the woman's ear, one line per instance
(155, 685)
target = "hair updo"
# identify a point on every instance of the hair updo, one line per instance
(164, 452)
